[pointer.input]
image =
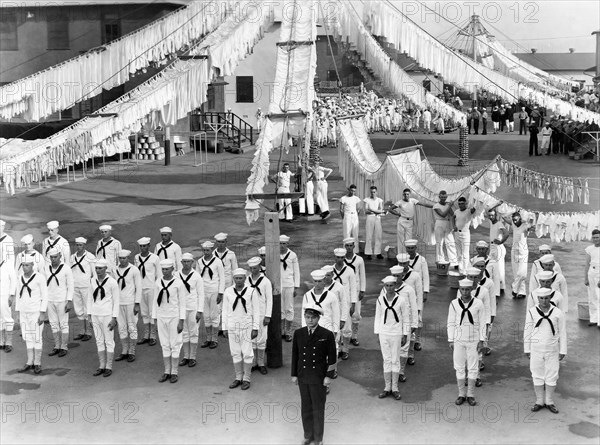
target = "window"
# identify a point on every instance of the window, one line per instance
(244, 89)
(58, 33)
(112, 30)
(8, 31)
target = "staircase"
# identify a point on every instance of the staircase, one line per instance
(229, 127)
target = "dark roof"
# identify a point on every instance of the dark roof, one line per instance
(559, 61)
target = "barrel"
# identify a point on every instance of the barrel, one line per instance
(453, 279)
(442, 268)
(391, 253)
(583, 310)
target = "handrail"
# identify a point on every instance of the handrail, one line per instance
(236, 129)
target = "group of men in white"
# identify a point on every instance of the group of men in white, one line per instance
(170, 290)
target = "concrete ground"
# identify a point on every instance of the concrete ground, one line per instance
(66, 404)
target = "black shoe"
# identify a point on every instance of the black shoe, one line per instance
(235, 384)
(417, 346)
(384, 394)
(288, 338)
(121, 357)
(481, 366)
(86, 337)
(401, 378)
(537, 407)
(54, 352)
(410, 361)
(220, 334)
(141, 341)
(335, 375)
(213, 345)
(345, 355)
(62, 352)
(487, 351)
(245, 385)
(460, 400)
(164, 378)
(192, 363)
(380, 257)
(8, 348)
(254, 368)
(521, 296)
(131, 358)
(206, 344)
(183, 362)
(553, 409)
(471, 401)
(107, 372)
(25, 368)
(174, 378)
(37, 369)
(369, 257)
(478, 383)
(152, 342)
(263, 370)
(355, 342)
(396, 395)
(98, 372)
(78, 337)
(514, 295)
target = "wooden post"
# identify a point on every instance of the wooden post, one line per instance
(167, 145)
(272, 260)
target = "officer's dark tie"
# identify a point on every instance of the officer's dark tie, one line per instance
(100, 289)
(186, 281)
(78, 263)
(121, 278)
(25, 285)
(164, 291)
(255, 285)
(545, 317)
(54, 275)
(465, 310)
(142, 265)
(51, 245)
(102, 249)
(284, 261)
(239, 296)
(206, 267)
(162, 248)
(390, 307)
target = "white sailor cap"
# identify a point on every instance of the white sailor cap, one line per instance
(348, 240)
(544, 275)
(105, 227)
(544, 247)
(339, 252)
(165, 230)
(465, 283)
(254, 261)
(313, 308)
(53, 251)
(478, 260)
(546, 259)
(472, 271)
(389, 279)
(396, 270)
(543, 292)
(27, 239)
(411, 242)
(221, 236)
(166, 263)
(52, 225)
(101, 263)
(317, 275)
(80, 240)
(262, 250)
(208, 245)
(124, 253)
(239, 271)
(143, 241)
(187, 256)
(284, 239)
(482, 243)
(403, 257)
(328, 268)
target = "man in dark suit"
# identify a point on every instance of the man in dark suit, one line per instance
(313, 366)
